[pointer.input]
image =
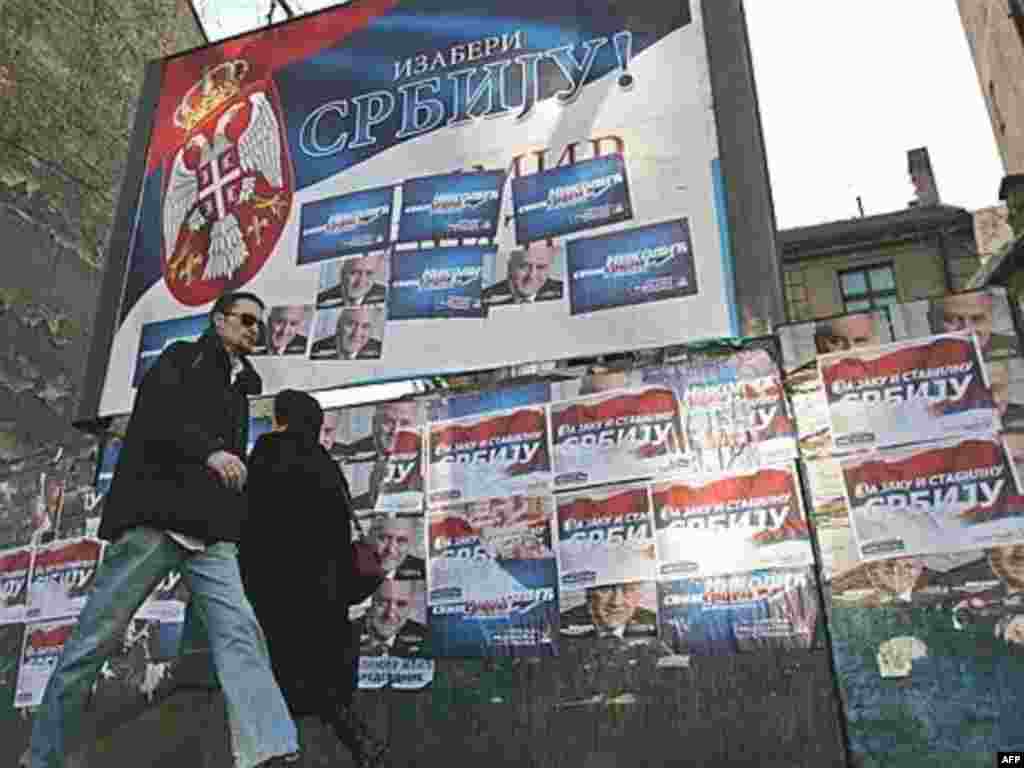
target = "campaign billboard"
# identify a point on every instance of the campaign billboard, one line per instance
(451, 205)
(498, 453)
(63, 575)
(40, 651)
(730, 613)
(731, 523)
(492, 582)
(907, 392)
(951, 496)
(274, 153)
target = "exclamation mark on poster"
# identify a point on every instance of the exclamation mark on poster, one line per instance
(623, 42)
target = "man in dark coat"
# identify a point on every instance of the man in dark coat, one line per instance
(176, 503)
(299, 573)
(352, 339)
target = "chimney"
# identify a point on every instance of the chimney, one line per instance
(919, 166)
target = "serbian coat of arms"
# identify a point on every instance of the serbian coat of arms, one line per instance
(229, 186)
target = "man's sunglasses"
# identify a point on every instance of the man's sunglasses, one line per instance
(247, 321)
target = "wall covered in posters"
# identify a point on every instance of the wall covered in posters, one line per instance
(424, 187)
(918, 542)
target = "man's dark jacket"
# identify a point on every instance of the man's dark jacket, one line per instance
(185, 409)
(296, 564)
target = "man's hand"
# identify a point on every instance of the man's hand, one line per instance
(229, 468)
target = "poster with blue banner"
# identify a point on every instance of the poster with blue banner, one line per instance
(736, 612)
(346, 224)
(586, 194)
(473, 403)
(451, 205)
(273, 154)
(156, 337)
(438, 282)
(492, 578)
(631, 267)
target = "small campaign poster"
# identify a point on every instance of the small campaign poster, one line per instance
(379, 448)
(568, 198)
(451, 206)
(951, 496)
(167, 601)
(14, 570)
(398, 674)
(605, 536)
(626, 612)
(63, 574)
(346, 224)
(908, 392)
(157, 336)
(729, 524)
(493, 578)
(614, 436)
(734, 411)
(500, 453)
(735, 612)
(42, 647)
(630, 267)
(438, 283)
(394, 637)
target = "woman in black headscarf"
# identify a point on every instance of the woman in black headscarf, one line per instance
(297, 568)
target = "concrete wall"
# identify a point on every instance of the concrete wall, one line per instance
(997, 45)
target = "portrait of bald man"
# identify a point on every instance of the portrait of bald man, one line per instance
(974, 311)
(528, 278)
(286, 331)
(357, 336)
(360, 282)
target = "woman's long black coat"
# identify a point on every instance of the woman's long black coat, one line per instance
(296, 561)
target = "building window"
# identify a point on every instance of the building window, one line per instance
(868, 287)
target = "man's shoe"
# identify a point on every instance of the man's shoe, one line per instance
(367, 751)
(280, 761)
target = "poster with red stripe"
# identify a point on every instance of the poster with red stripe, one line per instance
(62, 578)
(908, 392)
(14, 567)
(43, 646)
(502, 453)
(730, 523)
(931, 499)
(616, 436)
(605, 536)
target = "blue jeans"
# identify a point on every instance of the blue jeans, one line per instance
(261, 726)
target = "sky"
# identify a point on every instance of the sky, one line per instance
(845, 90)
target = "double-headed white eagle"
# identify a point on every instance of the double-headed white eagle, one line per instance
(259, 151)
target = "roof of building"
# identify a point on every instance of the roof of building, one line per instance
(884, 226)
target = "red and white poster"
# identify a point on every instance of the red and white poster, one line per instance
(605, 536)
(495, 454)
(908, 392)
(931, 499)
(731, 523)
(14, 568)
(62, 577)
(43, 646)
(616, 436)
